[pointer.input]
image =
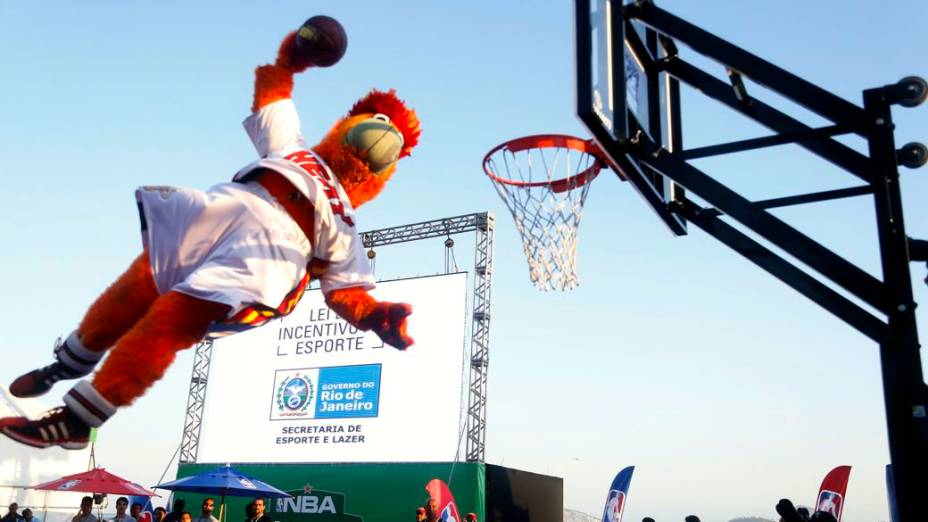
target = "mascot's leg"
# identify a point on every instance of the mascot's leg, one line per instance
(120, 307)
(174, 322)
(110, 316)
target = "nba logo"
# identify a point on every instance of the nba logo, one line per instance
(615, 504)
(829, 502)
(449, 514)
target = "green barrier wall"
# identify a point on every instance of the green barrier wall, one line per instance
(388, 492)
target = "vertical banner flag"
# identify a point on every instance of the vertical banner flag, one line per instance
(618, 492)
(447, 509)
(831, 494)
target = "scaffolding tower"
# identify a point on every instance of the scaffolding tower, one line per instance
(482, 225)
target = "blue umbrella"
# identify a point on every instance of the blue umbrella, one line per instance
(224, 481)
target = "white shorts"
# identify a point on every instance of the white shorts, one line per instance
(233, 244)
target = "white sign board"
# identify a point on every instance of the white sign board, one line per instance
(311, 388)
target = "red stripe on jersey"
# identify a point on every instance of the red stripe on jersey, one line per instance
(311, 166)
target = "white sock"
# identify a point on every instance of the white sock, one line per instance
(76, 357)
(86, 402)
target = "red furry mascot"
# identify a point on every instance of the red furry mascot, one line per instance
(231, 258)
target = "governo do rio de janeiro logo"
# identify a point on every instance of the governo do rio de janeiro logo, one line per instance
(294, 395)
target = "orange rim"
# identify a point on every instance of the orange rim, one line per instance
(544, 141)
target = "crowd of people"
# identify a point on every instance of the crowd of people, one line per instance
(254, 512)
(13, 515)
(787, 511)
(85, 513)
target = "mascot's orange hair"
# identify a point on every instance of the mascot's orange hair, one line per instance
(352, 171)
(147, 329)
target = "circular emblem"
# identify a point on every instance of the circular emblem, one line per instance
(68, 485)
(247, 483)
(294, 394)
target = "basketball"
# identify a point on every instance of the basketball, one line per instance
(378, 139)
(322, 41)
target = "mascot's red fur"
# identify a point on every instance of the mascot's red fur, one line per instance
(142, 328)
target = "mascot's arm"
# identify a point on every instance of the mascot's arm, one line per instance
(275, 82)
(387, 320)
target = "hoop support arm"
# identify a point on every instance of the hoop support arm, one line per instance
(806, 94)
(843, 308)
(828, 149)
(812, 197)
(791, 240)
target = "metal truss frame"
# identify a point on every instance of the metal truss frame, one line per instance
(196, 399)
(480, 223)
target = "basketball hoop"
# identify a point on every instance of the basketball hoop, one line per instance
(544, 181)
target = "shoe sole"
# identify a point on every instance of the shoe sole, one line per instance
(30, 395)
(35, 443)
(37, 390)
(28, 441)
(74, 445)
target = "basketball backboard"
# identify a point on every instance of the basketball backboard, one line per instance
(618, 96)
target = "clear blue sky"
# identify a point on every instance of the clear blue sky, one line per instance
(725, 388)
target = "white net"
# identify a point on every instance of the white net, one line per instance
(544, 184)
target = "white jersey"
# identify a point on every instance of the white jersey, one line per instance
(275, 132)
(234, 244)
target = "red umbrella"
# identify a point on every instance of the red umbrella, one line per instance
(97, 480)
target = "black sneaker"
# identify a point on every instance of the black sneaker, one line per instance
(70, 363)
(38, 382)
(58, 426)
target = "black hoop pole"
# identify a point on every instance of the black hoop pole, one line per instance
(889, 319)
(904, 391)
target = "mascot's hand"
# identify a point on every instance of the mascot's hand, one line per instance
(388, 320)
(289, 58)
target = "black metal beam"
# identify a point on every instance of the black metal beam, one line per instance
(639, 49)
(584, 49)
(829, 149)
(765, 141)
(807, 94)
(812, 197)
(918, 249)
(794, 242)
(904, 391)
(650, 184)
(674, 123)
(631, 171)
(840, 306)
